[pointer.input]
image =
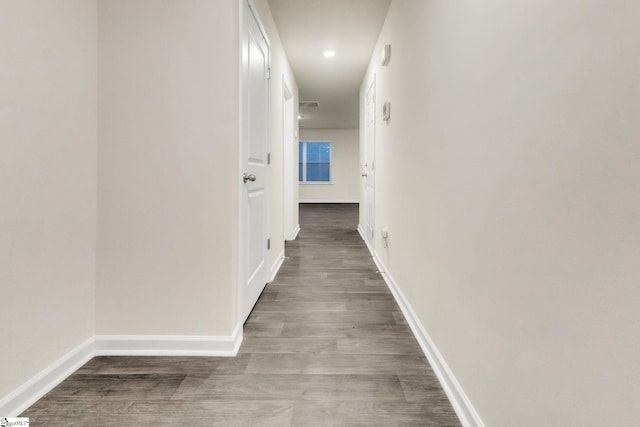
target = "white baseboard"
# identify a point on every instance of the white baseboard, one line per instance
(328, 201)
(459, 400)
(276, 265)
(361, 232)
(27, 394)
(294, 233)
(169, 345)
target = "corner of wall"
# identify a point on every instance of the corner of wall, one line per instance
(28, 393)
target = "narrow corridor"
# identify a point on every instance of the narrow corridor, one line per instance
(329, 325)
(325, 345)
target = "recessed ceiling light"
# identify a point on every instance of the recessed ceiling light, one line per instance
(329, 53)
(300, 116)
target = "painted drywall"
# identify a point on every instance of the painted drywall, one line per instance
(345, 169)
(508, 178)
(47, 183)
(167, 168)
(280, 73)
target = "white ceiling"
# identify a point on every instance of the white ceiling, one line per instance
(348, 27)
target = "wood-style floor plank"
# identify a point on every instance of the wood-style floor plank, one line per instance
(293, 387)
(326, 345)
(301, 318)
(336, 364)
(347, 330)
(371, 414)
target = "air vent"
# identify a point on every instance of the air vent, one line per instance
(308, 104)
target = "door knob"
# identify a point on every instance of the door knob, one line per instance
(248, 177)
(363, 174)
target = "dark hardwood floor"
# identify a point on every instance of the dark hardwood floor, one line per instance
(326, 345)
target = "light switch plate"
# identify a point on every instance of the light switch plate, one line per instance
(385, 55)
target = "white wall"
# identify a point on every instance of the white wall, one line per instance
(508, 178)
(168, 178)
(119, 177)
(47, 183)
(280, 72)
(345, 169)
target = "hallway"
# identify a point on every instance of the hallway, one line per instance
(325, 345)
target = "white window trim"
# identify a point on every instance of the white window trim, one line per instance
(304, 167)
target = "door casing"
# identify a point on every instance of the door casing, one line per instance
(288, 162)
(369, 164)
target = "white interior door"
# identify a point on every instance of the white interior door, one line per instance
(255, 168)
(369, 163)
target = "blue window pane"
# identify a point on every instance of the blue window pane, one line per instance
(325, 153)
(317, 172)
(317, 152)
(314, 162)
(313, 155)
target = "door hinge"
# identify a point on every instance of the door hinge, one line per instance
(268, 244)
(269, 73)
(268, 158)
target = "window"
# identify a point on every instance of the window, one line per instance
(314, 162)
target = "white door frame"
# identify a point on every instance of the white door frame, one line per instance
(288, 163)
(369, 164)
(246, 6)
